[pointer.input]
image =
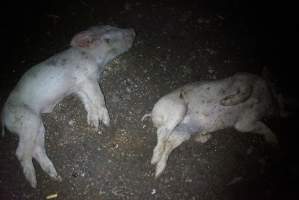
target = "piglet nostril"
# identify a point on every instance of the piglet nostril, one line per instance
(131, 32)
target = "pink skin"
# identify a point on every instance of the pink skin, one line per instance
(73, 71)
(239, 101)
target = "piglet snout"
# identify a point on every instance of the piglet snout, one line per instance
(130, 34)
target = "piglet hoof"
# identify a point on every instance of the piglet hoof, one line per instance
(272, 139)
(202, 138)
(159, 169)
(154, 160)
(157, 153)
(33, 183)
(57, 178)
(30, 176)
(104, 116)
(93, 120)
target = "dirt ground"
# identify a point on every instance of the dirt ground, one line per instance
(176, 43)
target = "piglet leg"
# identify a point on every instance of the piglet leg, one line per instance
(173, 141)
(24, 155)
(257, 127)
(39, 154)
(93, 99)
(27, 128)
(166, 115)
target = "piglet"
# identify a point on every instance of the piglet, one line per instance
(73, 71)
(240, 101)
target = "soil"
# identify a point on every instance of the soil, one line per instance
(176, 43)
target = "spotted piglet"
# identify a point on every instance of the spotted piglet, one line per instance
(239, 101)
(73, 71)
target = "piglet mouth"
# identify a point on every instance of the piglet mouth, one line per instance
(132, 32)
(130, 35)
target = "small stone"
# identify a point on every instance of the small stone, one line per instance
(128, 90)
(153, 191)
(188, 180)
(71, 122)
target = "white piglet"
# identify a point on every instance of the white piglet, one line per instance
(73, 71)
(239, 101)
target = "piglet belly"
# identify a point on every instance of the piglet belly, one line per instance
(42, 92)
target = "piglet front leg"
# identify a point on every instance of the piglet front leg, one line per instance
(93, 99)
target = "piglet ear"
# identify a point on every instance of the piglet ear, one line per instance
(83, 39)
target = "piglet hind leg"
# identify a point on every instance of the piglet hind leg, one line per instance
(173, 141)
(93, 99)
(166, 115)
(24, 155)
(257, 127)
(26, 125)
(39, 154)
(162, 135)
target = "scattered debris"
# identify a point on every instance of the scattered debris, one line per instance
(52, 196)
(71, 122)
(188, 180)
(154, 191)
(235, 180)
(99, 132)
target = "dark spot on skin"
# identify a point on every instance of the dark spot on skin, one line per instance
(63, 61)
(203, 101)
(181, 95)
(52, 62)
(191, 127)
(222, 91)
(84, 55)
(77, 66)
(33, 74)
(208, 88)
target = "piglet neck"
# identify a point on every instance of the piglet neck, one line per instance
(103, 59)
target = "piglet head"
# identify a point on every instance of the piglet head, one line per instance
(104, 41)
